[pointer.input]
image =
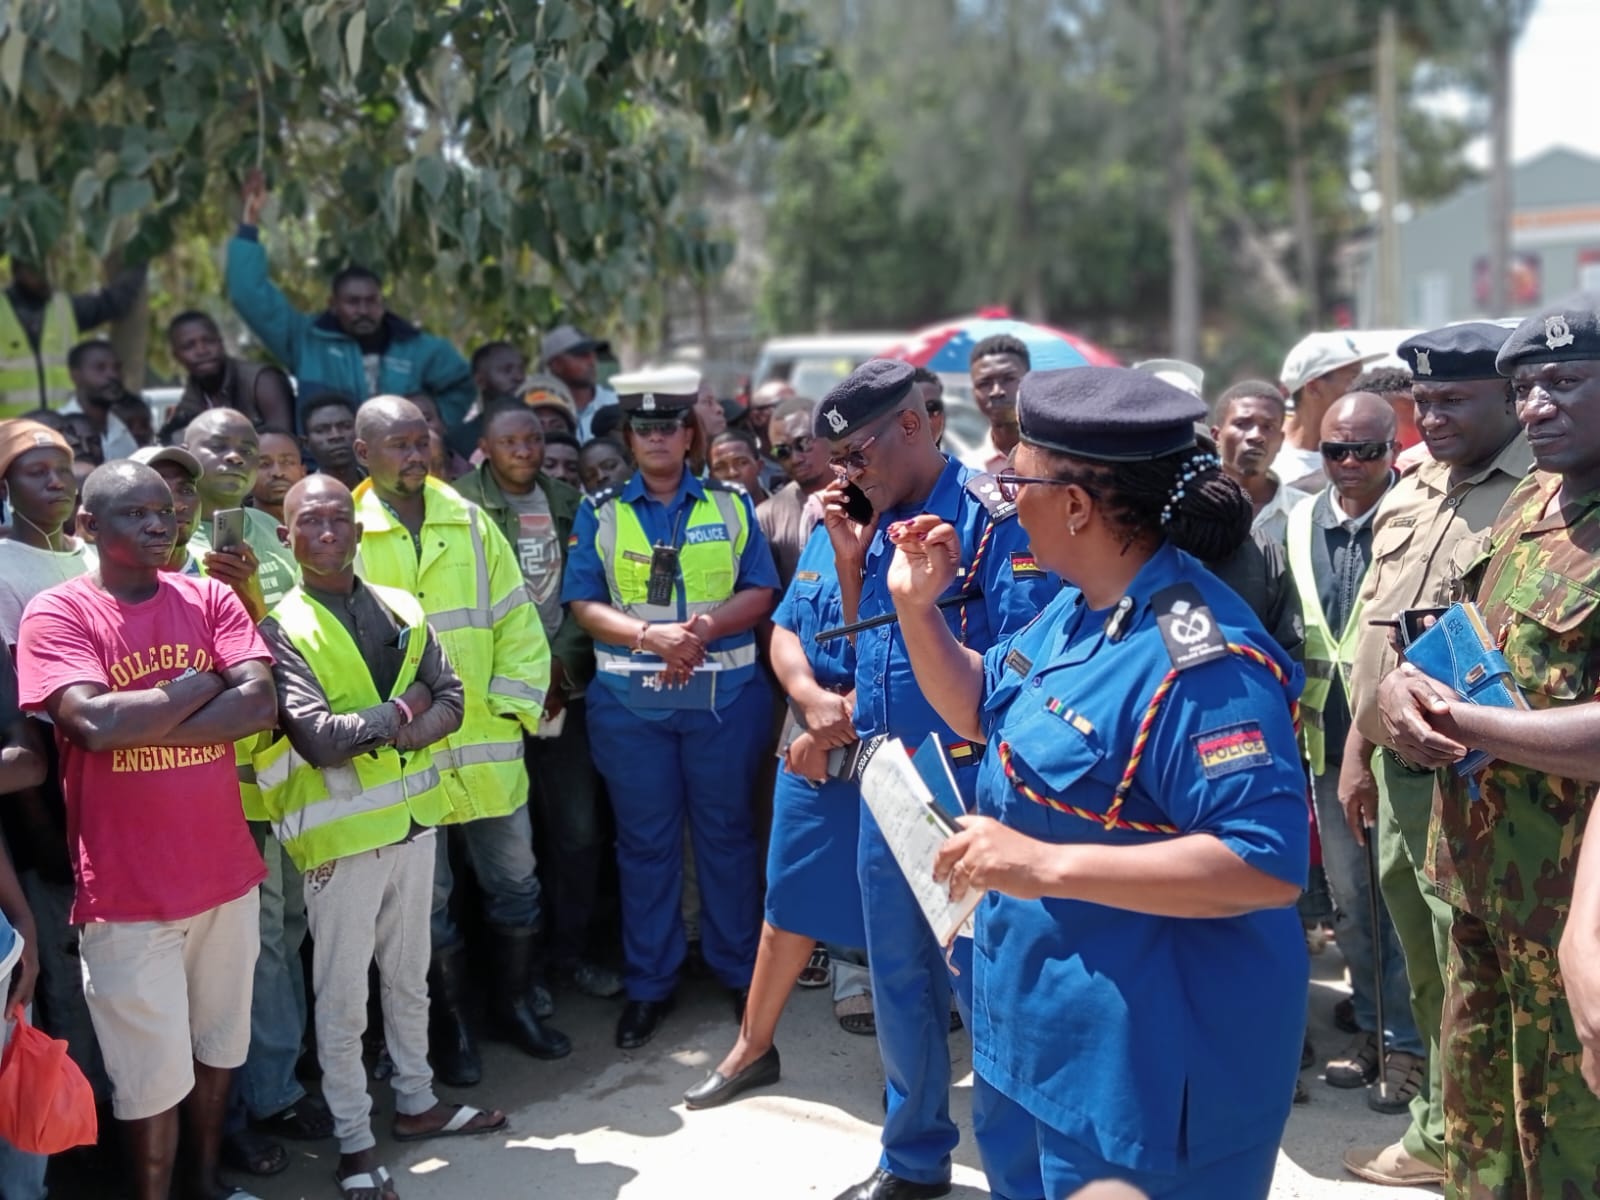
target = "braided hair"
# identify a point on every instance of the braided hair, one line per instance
(1183, 497)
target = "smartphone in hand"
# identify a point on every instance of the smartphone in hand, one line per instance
(227, 528)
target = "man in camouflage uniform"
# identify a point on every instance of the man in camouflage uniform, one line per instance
(1520, 1123)
(1435, 520)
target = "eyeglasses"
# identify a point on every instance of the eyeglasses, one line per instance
(855, 460)
(784, 451)
(1010, 485)
(645, 426)
(1360, 451)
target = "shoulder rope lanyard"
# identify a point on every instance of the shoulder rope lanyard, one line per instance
(1112, 818)
(971, 573)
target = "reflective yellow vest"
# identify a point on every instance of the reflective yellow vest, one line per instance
(320, 814)
(470, 583)
(714, 538)
(1325, 652)
(21, 388)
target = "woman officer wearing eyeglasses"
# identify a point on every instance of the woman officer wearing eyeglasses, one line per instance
(1139, 972)
(670, 575)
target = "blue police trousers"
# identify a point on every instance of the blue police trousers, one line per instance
(699, 766)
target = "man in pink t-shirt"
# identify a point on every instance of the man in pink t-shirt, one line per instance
(150, 677)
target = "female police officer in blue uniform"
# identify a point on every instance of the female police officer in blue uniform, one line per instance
(670, 575)
(1139, 972)
(812, 891)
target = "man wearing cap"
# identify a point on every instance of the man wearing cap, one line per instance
(670, 574)
(1431, 524)
(1318, 370)
(181, 471)
(570, 356)
(420, 536)
(877, 426)
(1504, 845)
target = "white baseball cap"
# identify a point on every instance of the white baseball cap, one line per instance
(1316, 354)
(1184, 376)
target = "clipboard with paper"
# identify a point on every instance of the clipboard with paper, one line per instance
(912, 818)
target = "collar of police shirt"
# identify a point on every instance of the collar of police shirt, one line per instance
(1514, 459)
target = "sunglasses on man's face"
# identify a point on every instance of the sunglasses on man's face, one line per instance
(784, 451)
(1360, 451)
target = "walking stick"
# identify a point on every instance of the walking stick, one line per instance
(1374, 909)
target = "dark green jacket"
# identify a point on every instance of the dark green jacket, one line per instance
(571, 644)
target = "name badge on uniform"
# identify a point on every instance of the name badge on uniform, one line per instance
(1238, 747)
(808, 576)
(1018, 662)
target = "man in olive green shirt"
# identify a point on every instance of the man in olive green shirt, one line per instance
(1433, 523)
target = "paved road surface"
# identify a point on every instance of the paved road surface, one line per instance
(608, 1125)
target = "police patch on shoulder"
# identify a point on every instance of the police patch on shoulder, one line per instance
(1238, 747)
(987, 491)
(1187, 626)
(1025, 564)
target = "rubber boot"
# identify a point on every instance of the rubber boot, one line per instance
(454, 1054)
(511, 1007)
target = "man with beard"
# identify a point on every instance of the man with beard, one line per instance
(572, 357)
(38, 326)
(356, 345)
(96, 373)
(789, 515)
(217, 380)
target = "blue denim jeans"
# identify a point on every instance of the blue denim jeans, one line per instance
(1349, 881)
(21, 1175)
(267, 1082)
(500, 850)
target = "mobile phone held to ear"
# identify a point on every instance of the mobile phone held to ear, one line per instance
(227, 528)
(856, 505)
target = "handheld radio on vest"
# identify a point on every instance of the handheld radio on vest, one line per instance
(663, 574)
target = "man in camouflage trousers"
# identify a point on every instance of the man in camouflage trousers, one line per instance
(1520, 1122)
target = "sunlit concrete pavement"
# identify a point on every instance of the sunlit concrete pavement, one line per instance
(606, 1123)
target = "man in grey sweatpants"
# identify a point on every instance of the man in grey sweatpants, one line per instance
(363, 690)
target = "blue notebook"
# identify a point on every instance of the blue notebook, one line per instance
(647, 690)
(1458, 649)
(934, 767)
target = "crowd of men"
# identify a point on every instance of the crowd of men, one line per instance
(368, 704)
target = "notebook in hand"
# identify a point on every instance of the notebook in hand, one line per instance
(1459, 650)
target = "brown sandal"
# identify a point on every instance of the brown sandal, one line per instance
(855, 1014)
(1403, 1079)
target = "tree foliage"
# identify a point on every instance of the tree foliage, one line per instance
(528, 154)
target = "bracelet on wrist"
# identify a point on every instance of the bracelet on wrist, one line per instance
(638, 642)
(406, 715)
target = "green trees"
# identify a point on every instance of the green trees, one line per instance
(508, 157)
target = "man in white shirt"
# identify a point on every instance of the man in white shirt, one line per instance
(97, 384)
(1316, 373)
(571, 356)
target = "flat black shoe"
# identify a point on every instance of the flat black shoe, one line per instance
(717, 1088)
(639, 1020)
(883, 1185)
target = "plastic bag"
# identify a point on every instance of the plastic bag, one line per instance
(46, 1105)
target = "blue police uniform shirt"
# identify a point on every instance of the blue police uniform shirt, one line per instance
(1154, 1041)
(888, 700)
(585, 576)
(813, 603)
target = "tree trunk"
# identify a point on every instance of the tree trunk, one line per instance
(1389, 307)
(1500, 168)
(130, 335)
(1185, 283)
(1305, 231)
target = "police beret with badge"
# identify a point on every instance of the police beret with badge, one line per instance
(1464, 351)
(876, 387)
(1567, 331)
(663, 391)
(1109, 414)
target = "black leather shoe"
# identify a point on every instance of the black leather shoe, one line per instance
(639, 1020)
(883, 1185)
(717, 1088)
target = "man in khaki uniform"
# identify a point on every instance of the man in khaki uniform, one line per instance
(1432, 523)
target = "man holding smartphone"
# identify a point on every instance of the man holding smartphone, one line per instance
(1432, 524)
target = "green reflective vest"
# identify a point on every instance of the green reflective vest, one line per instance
(1325, 651)
(30, 380)
(320, 814)
(714, 538)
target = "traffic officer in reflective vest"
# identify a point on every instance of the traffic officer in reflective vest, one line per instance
(419, 536)
(353, 794)
(882, 446)
(670, 575)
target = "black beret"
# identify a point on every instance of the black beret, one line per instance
(1114, 414)
(1563, 332)
(1464, 351)
(872, 389)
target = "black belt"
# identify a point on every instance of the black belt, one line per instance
(1408, 768)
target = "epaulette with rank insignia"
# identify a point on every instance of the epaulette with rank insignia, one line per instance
(1187, 626)
(605, 496)
(986, 490)
(725, 485)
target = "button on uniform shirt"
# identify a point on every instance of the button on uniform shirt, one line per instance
(1341, 548)
(1425, 534)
